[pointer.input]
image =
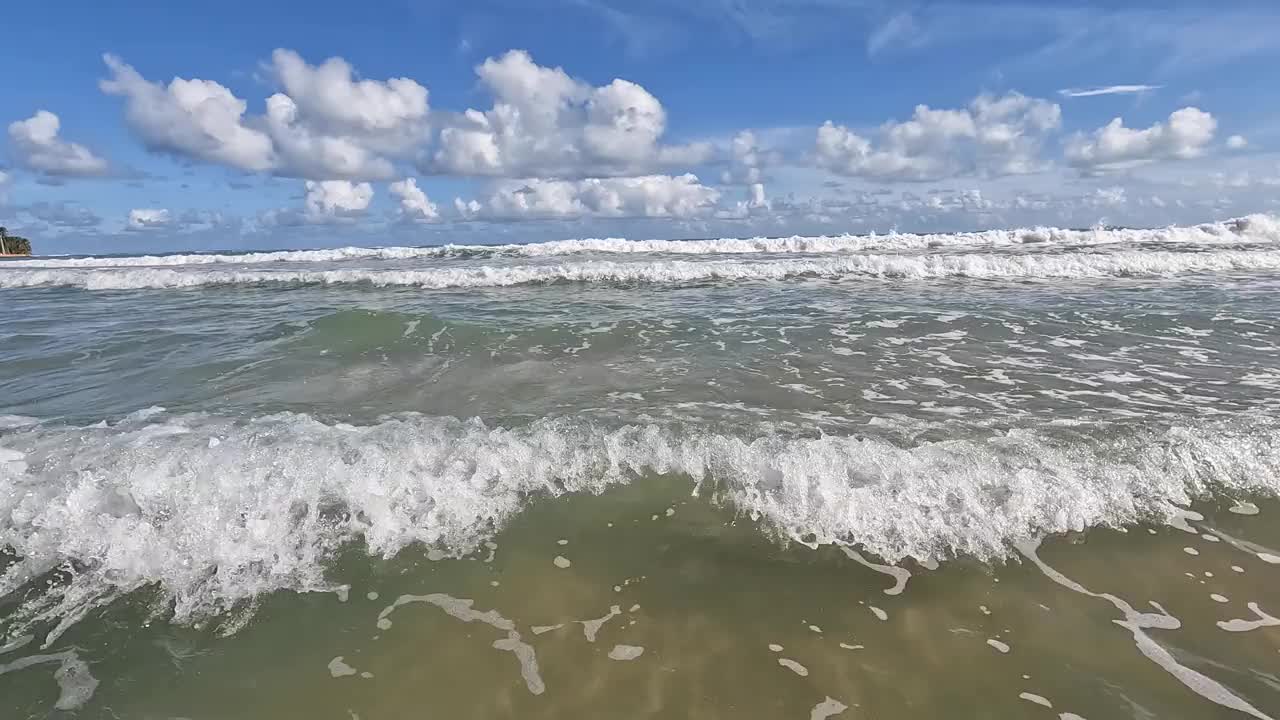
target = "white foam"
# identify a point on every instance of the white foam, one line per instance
(338, 668)
(147, 501)
(461, 608)
(1002, 647)
(1250, 229)
(829, 707)
(1263, 620)
(625, 652)
(900, 575)
(1138, 623)
(1063, 266)
(76, 684)
(794, 666)
(1037, 699)
(591, 627)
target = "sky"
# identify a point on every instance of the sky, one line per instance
(150, 126)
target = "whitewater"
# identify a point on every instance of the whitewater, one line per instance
(198, 449)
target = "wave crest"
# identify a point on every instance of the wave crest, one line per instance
(1065, 266)
(1250, 229)
(215, 511)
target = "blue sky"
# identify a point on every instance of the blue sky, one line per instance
(322, 123)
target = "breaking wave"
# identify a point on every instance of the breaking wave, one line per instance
(1250, 229)
(214, 511)
(1064, 266)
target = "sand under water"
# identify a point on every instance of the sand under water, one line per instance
(1014, 474)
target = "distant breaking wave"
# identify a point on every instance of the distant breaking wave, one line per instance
(214, 511)
(1254, 228)
(1065, 266)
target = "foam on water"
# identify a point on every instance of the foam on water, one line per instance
(1062, 266)
(76, 684)
(150, 501)
(1139, 623)
(1262, 620)
(1254, 228)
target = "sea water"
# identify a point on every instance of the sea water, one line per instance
(1026, 473)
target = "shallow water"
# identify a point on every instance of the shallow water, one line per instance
(968, 476)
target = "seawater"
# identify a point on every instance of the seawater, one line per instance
(1025, 473)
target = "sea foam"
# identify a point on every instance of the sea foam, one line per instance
(1062, 266)
(214, 512)
(1250, 229)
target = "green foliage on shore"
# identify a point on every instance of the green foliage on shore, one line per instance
(13, 244)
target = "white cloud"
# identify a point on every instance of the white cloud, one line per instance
(994, 136)
(195, 118)
(1108, 90)
(545, 123)
(1114, 146)
(652, 196)
(309, 154)
(325, 202)
(747, 160)
(39, 148)
(330, 94)
(337, 198)
(1237, 142)
(148, 219)
(326, 125)
(414, 204)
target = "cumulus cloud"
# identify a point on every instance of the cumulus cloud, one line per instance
(1237, 142)
(324, 202)
(38, 147)
(306, 153)
(148, 219)
(650, 196)
(414, 204)
(1108, 90)
(545, 123)
(330, 198)
(190, 118)
(327, 124)
(1185, 135)
(331, 95)
(747, 160)
(994, 136)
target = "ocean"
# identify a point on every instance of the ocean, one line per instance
(1023, 473)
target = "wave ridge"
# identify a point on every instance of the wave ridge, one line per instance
(1066, 266)
(216, 511)
(1249, 229)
